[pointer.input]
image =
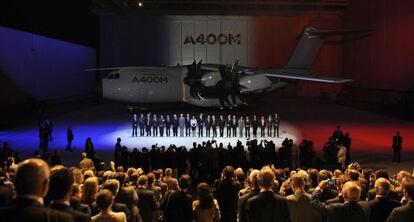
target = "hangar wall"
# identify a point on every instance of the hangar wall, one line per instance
(384, 60)
(45, 68)
(257, 41)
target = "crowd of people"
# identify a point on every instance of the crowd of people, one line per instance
(200, 125)
(33, 191)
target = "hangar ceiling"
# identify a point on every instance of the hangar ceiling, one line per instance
(228, 7)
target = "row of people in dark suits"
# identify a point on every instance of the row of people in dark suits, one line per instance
(153, 125)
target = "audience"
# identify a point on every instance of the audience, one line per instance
(141, 193)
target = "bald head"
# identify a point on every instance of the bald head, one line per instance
(351, 191)
(382, 186)
(32, 177)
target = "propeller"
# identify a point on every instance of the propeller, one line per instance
(193, 79)
(230, 84)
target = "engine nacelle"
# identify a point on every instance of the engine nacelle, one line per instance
(254, 83)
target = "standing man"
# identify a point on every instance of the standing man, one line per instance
(228, 126)
(167, 125)
(187, 124)
(181, 123)
(240, 124)
(193, 123)
(200, 123)
(148, 123)
(397, 146)
(207, 123)
(141, 123)
(214, 125)
(69, 136)
(275, 123)
(175, 125)
(234, 126)
(347, 144)
(155, 126)
(161, 125)
(269, 125)
(221, 124)
(255, 125)
(247, 125)
(134, 125)
(262, 126)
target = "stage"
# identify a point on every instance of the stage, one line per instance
(300, 119)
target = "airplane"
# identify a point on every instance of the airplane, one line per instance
(216, 85)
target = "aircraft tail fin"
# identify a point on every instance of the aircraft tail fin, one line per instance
(309, 45)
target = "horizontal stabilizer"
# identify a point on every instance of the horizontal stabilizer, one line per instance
(314, 78)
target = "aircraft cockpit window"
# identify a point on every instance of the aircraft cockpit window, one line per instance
(110, 76)
(116, 76)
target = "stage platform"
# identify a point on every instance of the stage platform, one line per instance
(300, 119)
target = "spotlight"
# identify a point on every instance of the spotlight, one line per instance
(140, 4)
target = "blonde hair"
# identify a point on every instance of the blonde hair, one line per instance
(89, 190)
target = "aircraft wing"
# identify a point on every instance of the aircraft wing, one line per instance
(308, 77)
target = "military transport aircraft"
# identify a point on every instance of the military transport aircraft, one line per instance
(215, 85)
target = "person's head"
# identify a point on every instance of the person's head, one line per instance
(151, 178)
(228, 172)
(157, 174)
(266, 178)
(111, 185)
(168, 172)
(184, 181)
(143, 180)
(351, 191)
(122, 177)
(89, 190)
(408, 185)
(239, 175)
(104, 200)
(60, 187)
(297, 183)
(382, 186)
(353, 175)
(397, 133)
(83, 155)
(381, 174)
(402, 174)
(32, 178)
(118, 140)
(204, 196)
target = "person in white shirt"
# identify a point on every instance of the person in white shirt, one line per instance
(193, 123)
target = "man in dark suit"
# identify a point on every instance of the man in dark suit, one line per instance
(267, 206)
(406, 212)
(299, 204)
(113, 186)
(255, 189)
(382, 206)
(141, 123)
(60, 192)
(32, 183)
(221, 123)
(147, 203)
(255, 125)
(69, 137)
(174, 123)
(397, 141)
(351, 210)
(178, 205)
(276, 123)
(200, 122)
(134, 125)
(154, 125)
(226, 192)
